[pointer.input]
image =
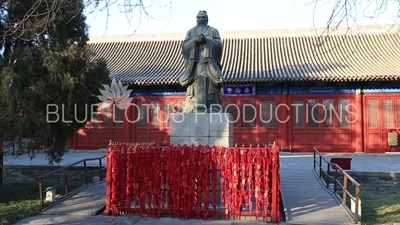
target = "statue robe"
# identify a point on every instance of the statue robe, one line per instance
(202, 75)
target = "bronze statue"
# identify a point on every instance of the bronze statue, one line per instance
(202, 52)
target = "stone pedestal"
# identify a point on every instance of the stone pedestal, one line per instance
(96, 179)
(50, 194)
(213, 129)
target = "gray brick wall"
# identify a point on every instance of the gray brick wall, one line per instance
(375, 181)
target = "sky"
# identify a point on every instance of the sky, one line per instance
(177, 16)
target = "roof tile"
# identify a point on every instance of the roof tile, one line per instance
(360, 57)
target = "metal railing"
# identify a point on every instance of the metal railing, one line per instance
(344, 187)
(66, 179)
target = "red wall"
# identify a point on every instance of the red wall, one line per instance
(330, 137)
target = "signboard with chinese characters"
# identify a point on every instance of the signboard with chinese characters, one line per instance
(242, 90)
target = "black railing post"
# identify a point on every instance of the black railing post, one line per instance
(85, 168)
(328, 171)
(66, 181)
(314, 159)
(101, 170)
(41, 194)
(320, 166)
(335, 181)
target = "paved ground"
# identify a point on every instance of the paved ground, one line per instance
(87, 202)
(360, 161)
(40, 158)
(306, 200)
(131, 220)
(363, 162)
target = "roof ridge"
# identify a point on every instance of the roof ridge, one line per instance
(375, 29)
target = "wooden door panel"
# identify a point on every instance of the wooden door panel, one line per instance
(150, 136)
(327, 135)
(249, 137)
(382, 112)
(156, 136)
(329, 138)
(344, 140)
(141, 136)
(86, 139)
(313, 138)
(373, 139)
(299, 138)
(266, 137)
(166, 135)
(95, 138)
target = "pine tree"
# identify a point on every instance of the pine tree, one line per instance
(40, 72)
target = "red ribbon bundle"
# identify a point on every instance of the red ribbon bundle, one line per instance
(183, 181)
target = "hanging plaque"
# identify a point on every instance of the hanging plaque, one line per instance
(239, 90)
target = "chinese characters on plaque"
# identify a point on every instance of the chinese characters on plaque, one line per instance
(249, 90)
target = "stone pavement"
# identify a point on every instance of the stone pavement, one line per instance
(122, 220)
(362, 162)
(84, 207)
(306, 201)
(87, 202)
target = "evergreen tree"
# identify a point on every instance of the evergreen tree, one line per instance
(44, 71)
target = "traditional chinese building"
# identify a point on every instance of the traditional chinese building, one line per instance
(339, 92)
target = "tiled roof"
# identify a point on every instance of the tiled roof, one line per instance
(261, 58)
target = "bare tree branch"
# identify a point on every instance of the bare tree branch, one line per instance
(347, 15)
(39, 16)
(349, 12)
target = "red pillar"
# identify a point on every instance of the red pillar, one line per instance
(126, 126)
(283, 125)
(357, 126)
(133, 121)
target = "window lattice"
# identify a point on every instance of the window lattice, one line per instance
(106, 116)
(168, 109)
(249, 113)
(231, 107)
(268, 113)
(298, 113)
(398, 112)
(344, 117)
(117, 116)
(313, 119)
(387, 113)
(329, 114)
(372, 110)
(154, 114)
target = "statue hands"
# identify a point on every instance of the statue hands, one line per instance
(200, 38)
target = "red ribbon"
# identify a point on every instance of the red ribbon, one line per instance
(182, 180)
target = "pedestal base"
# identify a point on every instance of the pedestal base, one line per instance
(213, 129)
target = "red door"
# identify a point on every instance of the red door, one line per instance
(382, 115)
(106, 125)
(253, 119)
(323, 121)
(152, 118)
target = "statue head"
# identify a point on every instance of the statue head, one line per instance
(202, 18)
